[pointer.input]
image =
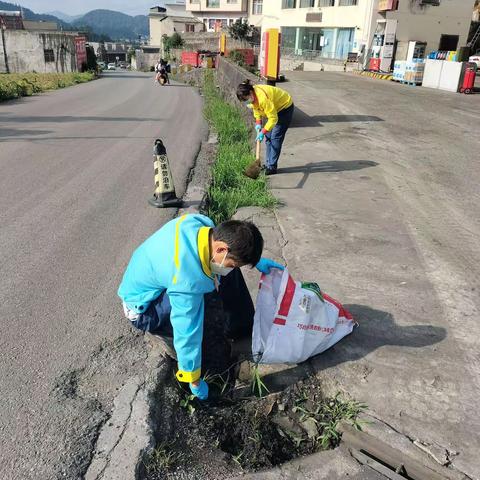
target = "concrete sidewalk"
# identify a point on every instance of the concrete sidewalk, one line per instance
(378, 185)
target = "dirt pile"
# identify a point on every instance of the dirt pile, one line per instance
(213, 441)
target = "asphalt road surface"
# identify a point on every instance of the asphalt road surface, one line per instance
(76, 173)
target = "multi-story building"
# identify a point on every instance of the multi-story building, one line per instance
(333, 28)
(170, 19)
(218, 14)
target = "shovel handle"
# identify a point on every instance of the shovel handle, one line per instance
(257, 151)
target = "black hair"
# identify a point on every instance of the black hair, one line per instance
(244, 240)
(244, 90)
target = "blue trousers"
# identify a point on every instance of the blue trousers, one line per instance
(274, 138)
(233, 299)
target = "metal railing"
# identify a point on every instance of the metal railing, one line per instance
(304, 54)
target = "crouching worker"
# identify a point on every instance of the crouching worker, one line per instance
(164, 286)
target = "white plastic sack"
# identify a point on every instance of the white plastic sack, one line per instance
(294, 321)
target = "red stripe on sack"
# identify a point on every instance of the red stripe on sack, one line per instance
(287, 298)
(342, 312)
(279, 321)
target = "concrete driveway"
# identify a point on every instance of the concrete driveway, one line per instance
(379, 185)
(76, 175)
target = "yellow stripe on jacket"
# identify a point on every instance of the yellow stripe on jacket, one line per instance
(270, 101)
(176, 255)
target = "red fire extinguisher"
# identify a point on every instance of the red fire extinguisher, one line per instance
(468, 81)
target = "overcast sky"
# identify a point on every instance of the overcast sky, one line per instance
(77, 7)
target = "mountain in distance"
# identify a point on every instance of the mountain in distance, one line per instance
(30, 15)
(116, 25)
(64, 17)
(101, 25)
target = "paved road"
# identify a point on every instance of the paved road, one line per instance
(76, 172)
(379, 186)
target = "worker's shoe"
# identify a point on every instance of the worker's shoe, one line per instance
(270, 171)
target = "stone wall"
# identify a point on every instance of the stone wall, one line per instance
(230, 75)
(210, 41)
(143, 61)
(25, 52)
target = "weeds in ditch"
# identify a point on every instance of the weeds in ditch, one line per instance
(230, 188)
(188, 403)
(161, 459)
(325, 415)
(258, 387)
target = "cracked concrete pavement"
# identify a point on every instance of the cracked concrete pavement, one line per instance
(378, 185)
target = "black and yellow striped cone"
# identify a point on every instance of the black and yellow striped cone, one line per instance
(164, 195)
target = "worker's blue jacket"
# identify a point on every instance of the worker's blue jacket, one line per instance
(177, 259)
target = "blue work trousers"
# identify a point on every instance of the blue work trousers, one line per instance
(274, 138)
(233, 296)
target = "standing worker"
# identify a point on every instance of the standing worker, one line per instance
(169, 274)
(277, 106)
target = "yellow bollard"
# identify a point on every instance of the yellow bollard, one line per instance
(164, 195)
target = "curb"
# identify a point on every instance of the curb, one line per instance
(378, 76)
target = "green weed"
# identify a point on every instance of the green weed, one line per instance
(327, 414)
(161, 459)
(188, 403)
(258, 387)
(231, 189)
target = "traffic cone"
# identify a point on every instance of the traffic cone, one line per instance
(164, 195)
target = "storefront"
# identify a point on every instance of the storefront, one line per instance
(319, 42)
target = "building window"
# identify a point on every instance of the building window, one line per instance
(289, 3)
(232, 1)
(213, 3)
(289, 35)
(307, 3)
(49, 55)
(257, 7)
(347, 3)
(326, 3)
(194, 1)
(189, 27)
(217, 24)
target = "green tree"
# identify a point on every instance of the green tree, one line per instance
(91, 59)
(240, 30)
(174, 41)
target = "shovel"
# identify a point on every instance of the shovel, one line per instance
(253, 170)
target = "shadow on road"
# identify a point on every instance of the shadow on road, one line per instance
(302, 119)
(376, 329)
(324, 167)
(20, 133)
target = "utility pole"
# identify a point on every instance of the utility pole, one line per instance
(3, 27)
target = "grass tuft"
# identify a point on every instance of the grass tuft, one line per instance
(231, 189)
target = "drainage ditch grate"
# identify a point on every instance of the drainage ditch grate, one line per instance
(386, 460)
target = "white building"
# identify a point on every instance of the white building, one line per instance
(333, 28)
(170, 19)
(218, 14)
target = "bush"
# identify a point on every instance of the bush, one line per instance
(17, 85)
(237, 57)
(174, 41)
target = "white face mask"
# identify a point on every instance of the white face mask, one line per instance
(219, 269)
(248, 102)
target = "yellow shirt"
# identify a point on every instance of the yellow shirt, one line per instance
(270, 101)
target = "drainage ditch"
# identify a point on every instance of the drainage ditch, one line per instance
(238, 431)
